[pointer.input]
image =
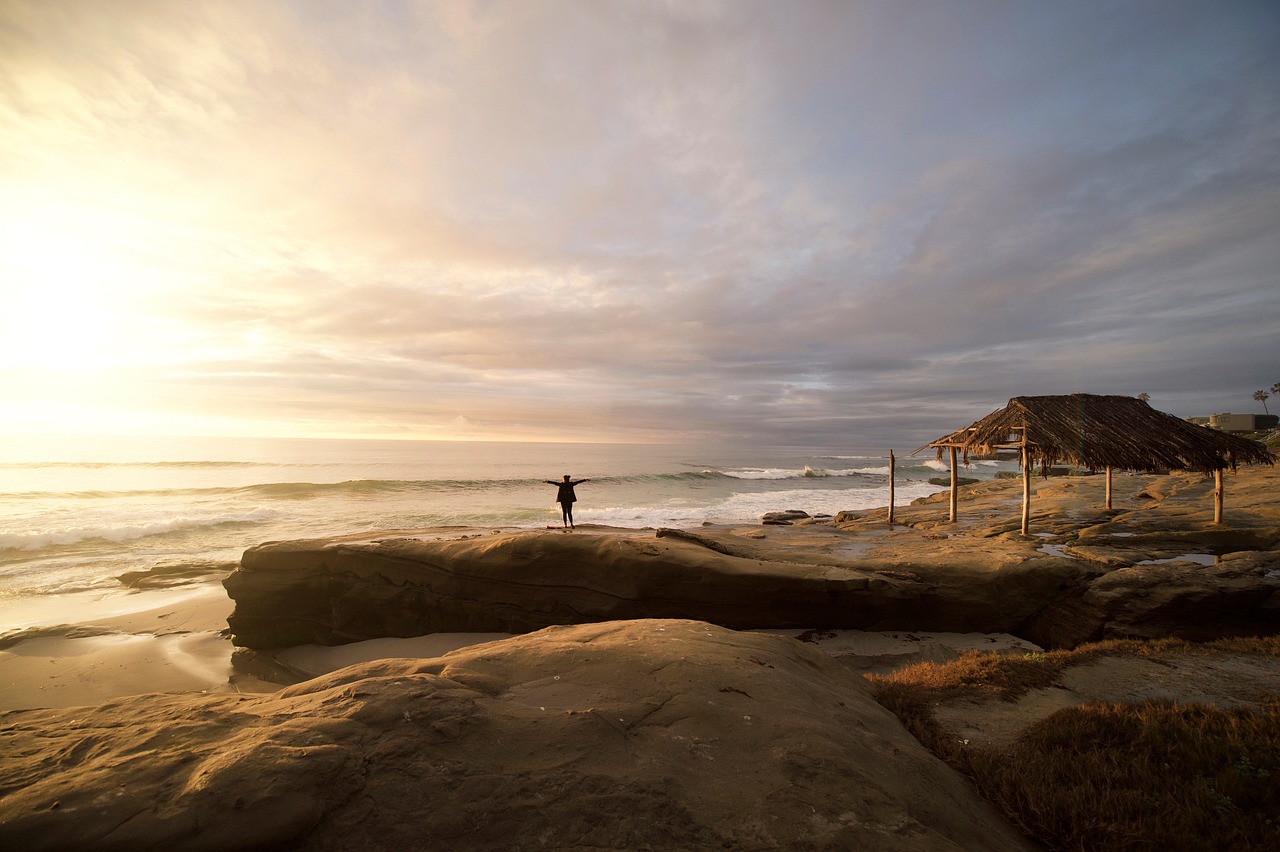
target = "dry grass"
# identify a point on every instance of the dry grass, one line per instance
(1110, 776)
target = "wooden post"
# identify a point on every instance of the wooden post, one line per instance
(954, 485)
(1217, 496)
(1026, 485)
(1108, 486)
(891, 465)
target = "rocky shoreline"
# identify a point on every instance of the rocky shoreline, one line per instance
(626, 715)
(1154, 567)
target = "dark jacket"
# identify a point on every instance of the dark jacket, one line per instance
(565, 494)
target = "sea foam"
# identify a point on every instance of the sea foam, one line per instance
(68, 536)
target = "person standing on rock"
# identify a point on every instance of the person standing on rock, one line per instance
(565, 496)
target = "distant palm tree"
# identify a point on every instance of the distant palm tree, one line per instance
(1275, 389)
(1262, 396)
(1145, 397)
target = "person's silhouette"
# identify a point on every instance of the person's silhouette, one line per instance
(565, 496)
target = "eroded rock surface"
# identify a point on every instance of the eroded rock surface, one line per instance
(1150, 566)
(630, 735)
(331, 592)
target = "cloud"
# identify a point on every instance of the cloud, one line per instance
(806, 223)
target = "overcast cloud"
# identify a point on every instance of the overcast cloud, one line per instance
(848, 223)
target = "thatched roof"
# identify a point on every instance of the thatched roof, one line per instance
(1097, 432)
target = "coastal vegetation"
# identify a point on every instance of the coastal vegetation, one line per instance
(1262, 396)
(1270, 438)
(1145, 775)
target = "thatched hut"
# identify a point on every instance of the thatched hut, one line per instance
(1098, 433)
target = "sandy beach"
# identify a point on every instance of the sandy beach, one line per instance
(97, 647)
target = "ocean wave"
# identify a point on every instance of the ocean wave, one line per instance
(374, 487)
(764, 473)
(356, 488)
(72, 536)
(100, 465)
(282, 490)
(776, 473)
(99, 494)
(370, 488)
(932, 466)
(748, 507)
(683, 476)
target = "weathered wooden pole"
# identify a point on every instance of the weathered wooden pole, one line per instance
(1217, 496)
(891, 467)
(955, 485)
(1026, 485)
(1108, 486)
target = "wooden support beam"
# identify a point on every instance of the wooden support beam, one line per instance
(1026, 486)
(1108, 486)
(1217, 496)
(955, 485)
(891, 474)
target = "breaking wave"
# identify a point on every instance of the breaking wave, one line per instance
(72, 536)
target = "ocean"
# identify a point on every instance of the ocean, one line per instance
(110, 514)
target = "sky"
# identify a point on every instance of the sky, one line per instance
(803, 223)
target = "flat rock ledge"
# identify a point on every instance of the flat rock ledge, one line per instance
(336, 591)
(630, 735)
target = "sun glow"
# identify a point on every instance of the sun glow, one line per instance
(80, 327)
(66, 286)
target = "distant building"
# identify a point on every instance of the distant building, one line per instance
(1228, 422)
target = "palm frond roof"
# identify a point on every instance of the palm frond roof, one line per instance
(1097, 432)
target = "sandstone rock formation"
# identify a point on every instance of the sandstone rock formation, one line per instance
(331, 592)
(785, 517)
(1179, 599)
(629, 735)
(1136, 571)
